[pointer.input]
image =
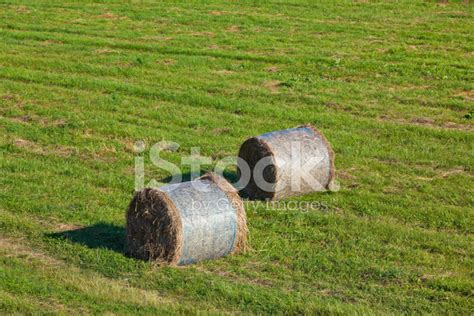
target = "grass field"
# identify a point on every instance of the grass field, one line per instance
(389, 83)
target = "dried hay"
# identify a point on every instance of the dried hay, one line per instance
(187, 222)
(278, 147)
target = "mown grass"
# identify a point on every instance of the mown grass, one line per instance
(390, 85)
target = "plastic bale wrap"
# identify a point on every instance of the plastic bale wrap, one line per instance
(279, 148)
(187, 222)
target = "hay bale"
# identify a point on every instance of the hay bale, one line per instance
(280, 148)
(187, 222)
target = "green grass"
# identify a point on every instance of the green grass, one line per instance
(389, 83)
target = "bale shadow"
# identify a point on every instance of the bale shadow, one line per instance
(101, 235)
(229, 175)
(112, 237)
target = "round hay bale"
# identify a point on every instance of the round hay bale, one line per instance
(290, 157)
(187, 222)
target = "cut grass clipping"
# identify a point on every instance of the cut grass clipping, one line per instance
(187, 222)
(282, 159)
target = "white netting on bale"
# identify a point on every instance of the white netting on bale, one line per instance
(286, 163)
(186, 222)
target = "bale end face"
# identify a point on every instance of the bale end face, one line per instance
(153, 227)
(252, 151)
